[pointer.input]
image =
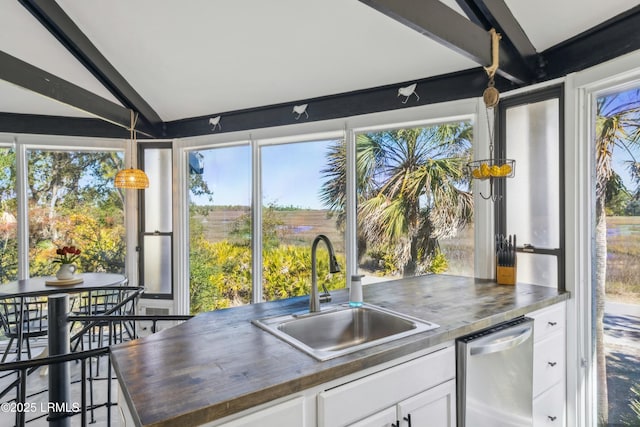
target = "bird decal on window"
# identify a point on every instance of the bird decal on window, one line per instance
(407, 91)
(300, 110)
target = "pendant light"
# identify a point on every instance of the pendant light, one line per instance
(132, 178)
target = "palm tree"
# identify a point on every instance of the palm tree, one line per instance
(411, 189)
(617, 127)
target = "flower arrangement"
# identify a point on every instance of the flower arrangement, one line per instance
(67, 255)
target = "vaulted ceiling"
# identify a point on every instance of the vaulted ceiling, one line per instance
(77, 67)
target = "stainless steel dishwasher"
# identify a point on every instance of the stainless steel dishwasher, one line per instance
(495, 376)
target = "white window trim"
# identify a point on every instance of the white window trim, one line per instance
(581, 90)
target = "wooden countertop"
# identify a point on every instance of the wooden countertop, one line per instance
(218, 363)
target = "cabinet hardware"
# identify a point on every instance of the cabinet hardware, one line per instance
(552, 364)
(552, 323)
(551, 418)
(396, 424)
(408, 419)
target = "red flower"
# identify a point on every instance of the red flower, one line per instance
(67, 255)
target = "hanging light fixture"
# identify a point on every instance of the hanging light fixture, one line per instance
(132, 178)
(492, 167)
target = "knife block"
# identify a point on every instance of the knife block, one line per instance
(506, 275)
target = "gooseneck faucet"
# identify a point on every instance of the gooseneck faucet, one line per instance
(314, 300)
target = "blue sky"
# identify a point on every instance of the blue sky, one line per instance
(290, 174)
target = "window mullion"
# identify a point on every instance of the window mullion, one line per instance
(256, 223)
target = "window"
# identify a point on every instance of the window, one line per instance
(414, 201)
(293, 212)
(531, 204)
(296, 208)
(8, 216)
(72, 202)
(156, 228)
(220, 228)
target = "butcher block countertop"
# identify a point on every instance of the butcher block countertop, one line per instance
(218, 363)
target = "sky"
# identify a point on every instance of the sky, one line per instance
(290, 174)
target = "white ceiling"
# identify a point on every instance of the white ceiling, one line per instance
(201, 57)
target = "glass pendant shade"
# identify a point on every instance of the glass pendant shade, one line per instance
(132, 178)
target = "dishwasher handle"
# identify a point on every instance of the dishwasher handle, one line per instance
(505, 340)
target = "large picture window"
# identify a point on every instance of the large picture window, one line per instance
(72, 202)
(295, 210)
(415, 207)
(220, 227)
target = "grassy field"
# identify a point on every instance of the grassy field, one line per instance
(302, 225)
(623, 258)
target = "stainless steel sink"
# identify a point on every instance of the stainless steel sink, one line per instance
(340, 330)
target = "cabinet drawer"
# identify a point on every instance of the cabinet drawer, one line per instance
(356, 400)
(548, 362)
(548, 320)
(548, 408)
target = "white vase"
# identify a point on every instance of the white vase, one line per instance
(66, 271)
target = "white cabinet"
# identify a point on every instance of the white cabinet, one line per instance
(383, 418)
(549, 366)
(423, 388)
(286, 414)
(435, 407)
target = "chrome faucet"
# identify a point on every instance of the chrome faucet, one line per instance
(315, 299)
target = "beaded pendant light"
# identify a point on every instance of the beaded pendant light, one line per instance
(132, 178)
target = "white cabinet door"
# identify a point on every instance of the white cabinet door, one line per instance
(548, 408)
(286, 414)
(431, 408)
(354, 401)
(385, 418)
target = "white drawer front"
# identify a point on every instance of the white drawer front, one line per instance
(548, 320)
(354, 401)
(549, 408)
(548, 362)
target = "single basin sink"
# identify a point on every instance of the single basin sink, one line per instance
(342, 329)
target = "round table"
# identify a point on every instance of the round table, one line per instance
(36, 286)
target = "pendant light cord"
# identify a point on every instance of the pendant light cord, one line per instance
(132, 135)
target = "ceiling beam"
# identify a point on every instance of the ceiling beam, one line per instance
(496, 14)
(58, 125)
(27, 76)
(60, 25)
(444, 25)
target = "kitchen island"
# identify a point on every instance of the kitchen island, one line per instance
(219, 364)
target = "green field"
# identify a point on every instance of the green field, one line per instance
(300, 226)
(623, 258)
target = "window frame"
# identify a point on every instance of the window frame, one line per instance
(22, 143)
(500, 186)
(142, 233)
